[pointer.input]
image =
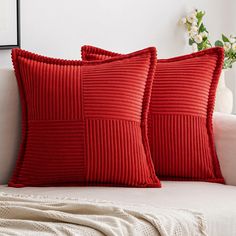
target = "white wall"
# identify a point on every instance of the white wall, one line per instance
(59, 27)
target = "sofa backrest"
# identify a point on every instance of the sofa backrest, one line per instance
(9, 123)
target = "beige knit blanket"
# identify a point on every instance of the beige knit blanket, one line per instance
(25, 215)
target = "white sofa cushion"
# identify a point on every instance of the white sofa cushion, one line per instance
(9, 123)
(215, 201)
(225, 140)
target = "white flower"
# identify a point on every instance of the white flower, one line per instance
(204, 34)
(198, 38)
(191, 18)
(227, 46)
(194, 29)
(183, 21)
(194, 47)
(234, 47)
(192, 33)
(194, 23)
(232, 39)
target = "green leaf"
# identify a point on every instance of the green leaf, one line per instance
(202, 28)
(199, 16)
(218, 43)
(224, 38)
(190, 41)
(200, 46)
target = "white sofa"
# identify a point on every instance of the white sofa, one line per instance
(216, 201)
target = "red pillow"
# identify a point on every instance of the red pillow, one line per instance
(84, 123)
(180, 117)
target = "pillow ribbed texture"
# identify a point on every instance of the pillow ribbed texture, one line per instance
(84, 123)
(180, 117)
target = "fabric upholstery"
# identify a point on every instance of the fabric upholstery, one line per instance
(225, 140)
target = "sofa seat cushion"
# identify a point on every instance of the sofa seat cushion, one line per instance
(215, 201)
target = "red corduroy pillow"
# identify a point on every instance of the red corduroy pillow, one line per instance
(84, 123)
(180, 117)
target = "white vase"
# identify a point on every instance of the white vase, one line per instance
(224, 96)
